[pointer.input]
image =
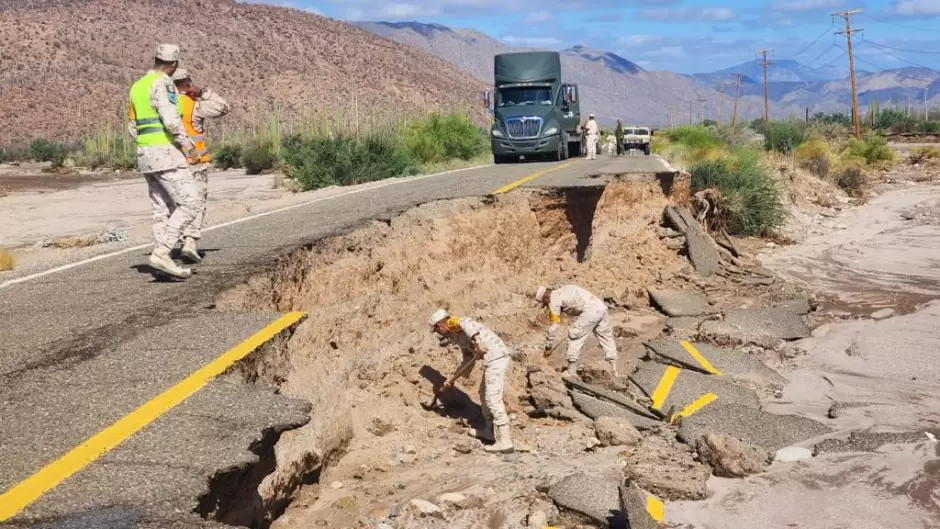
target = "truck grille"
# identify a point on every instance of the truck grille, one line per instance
(527, 127)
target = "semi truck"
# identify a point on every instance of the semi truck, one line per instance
(536, 114)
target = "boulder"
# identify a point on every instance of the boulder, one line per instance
(616, 431)
(731, 457)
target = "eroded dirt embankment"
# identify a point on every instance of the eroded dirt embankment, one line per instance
(365, 357)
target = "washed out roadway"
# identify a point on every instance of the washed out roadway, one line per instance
(81, 349)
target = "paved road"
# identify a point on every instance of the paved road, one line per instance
(102, 344)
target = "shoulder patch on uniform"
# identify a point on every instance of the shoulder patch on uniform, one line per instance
(453, 324)
(171, 93)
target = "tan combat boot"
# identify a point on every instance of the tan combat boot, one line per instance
(190, 251)
(161, 260)
(613, 368)
(570, 370)
(503, 443)
(486, 434)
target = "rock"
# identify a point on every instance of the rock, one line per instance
(537, 520)
(797, 305)
(673, 302)
(616, 431)
(882, 314)
(761, 326)
(730, 457)
(463, 447)
(425, 508)
(822, 331)
(451, 498)
(547, 393)
(595, 408)
(790, 454)
(596, 496)
(410, 450)
(668, 469)
(636, 505)
(336, 485)
(470, 502)
(702, 250)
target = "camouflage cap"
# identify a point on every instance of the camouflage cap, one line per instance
(180, 74)
(168, 52)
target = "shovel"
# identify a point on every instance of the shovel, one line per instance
(433, 404)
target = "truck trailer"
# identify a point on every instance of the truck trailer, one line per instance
(536, 114)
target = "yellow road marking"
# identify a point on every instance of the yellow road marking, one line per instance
(665, 384)
(655, 507)
(29, 490)
(509, 187)
(699, 403)
(706, 365)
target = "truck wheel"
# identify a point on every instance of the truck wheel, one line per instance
(559, 154)
(565, 147)
(574, 149)
(499, 159)
(646, 149)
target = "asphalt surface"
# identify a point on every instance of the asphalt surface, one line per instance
(83, 347)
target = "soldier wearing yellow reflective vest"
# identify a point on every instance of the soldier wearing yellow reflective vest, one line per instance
(155, 124)
(199, 104)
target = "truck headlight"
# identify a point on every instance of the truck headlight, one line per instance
(550, 130)
(497, 133)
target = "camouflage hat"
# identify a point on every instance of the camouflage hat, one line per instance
(180, 74)
(168, 52)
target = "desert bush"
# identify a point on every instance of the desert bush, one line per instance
(440, 138)
(42, 150)
(317, 162)
(850, 177)
(922, 154)
(871, 150)
(14, 153)
(228, 156)
(7, 260)
(814, 156)
(259, 157)
(782, 136)
(751, 201)
(695, 137)
(829, 131)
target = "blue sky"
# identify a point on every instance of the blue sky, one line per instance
(685, 36)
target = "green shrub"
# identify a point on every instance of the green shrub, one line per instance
(345, 160)
(440, 138)
(694, 137)
(228, 156)
(14, 153)
(751, 200)
(814, 156)
(829, 131)
(782, 136)
(923, 154)
(871, 150)
(42, 150)
(259, 157)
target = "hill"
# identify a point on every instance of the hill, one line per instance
(67, 64)
(614, 86)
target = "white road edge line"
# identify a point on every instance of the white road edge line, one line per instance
(239, 220)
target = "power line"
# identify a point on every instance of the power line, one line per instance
(902, 49)
(837, 59)
(810, 45)
(905, 26)
(821, 55)
(889, 54)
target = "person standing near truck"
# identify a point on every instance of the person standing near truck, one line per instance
(591, 133)
(199, 104)
(618, 133)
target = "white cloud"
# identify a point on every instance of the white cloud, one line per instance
(637, 40)
(407, 11)
(539, 17)
(690, 14)
(917, 7)
(666, 51)
(533, 42)
(806, 5)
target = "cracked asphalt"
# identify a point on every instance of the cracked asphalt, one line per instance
(83, 347)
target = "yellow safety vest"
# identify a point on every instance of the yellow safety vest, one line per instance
(150, 129)
(201, 154)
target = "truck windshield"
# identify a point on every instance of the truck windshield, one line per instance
(628, 131)
(642, 132)
(524, 95)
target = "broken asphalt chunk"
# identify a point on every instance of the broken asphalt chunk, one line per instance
(675, 302)
(596, 496)
(708, 359)
(749, 424)
(761, 326)
(687, 387)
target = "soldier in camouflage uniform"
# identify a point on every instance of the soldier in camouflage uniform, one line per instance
(162, 146)
(199, 104)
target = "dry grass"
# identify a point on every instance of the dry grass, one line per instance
(7, 260)
(74, 242)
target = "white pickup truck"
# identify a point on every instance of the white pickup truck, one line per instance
(637, 137)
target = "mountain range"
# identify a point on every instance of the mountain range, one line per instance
(613, 86)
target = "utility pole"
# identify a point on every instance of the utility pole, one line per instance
(721, 99)
(764, 53)
(691, 121)
(926, 112)
(737, 93)
(701, 105)
(847, 15)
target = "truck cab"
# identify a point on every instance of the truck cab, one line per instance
(535, 114)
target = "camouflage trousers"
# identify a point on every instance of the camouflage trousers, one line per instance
(174, 204)
(201, 176)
